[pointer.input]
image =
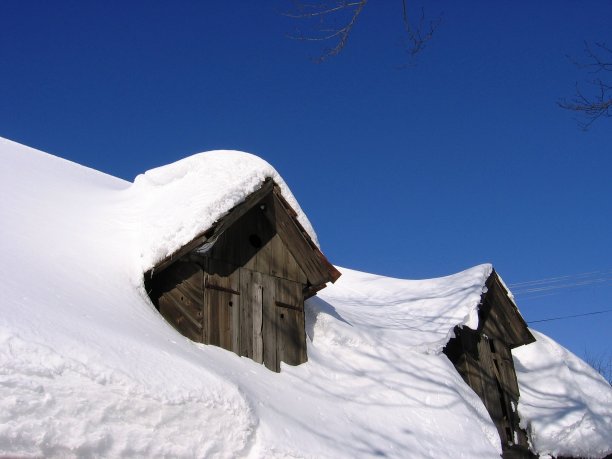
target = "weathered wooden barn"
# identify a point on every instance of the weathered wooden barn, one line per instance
(241, 284)
(483, 358)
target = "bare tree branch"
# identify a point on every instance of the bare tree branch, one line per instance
(325, 11)
(602, 363)
(343, 15)
(321, 12)
(418, 36)
(597, 102)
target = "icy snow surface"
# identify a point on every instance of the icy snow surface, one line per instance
(89, 368)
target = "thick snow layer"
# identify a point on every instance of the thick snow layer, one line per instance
(420, 314)
(89, 368)
(179, 201)
(565, 404)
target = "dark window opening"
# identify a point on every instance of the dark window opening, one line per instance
(255, 241)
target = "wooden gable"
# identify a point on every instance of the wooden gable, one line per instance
(500, 318)
(283, 220)
(241, 285)
(483, 358)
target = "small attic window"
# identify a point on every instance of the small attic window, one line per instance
(255, 241)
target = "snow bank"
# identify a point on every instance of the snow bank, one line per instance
(88, 367)
(565, 404)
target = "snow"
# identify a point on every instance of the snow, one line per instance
(565, 404)
(420, 314)
(179, 201)
(89, 368)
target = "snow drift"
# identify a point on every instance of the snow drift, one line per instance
(89, 368)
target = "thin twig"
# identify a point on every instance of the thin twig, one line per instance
(599, 104)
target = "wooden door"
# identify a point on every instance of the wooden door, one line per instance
(271, 320)
(290, 327)
(251, 308)
(284, 337)
(221, 308)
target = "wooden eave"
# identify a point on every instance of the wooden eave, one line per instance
(507, 314)
(315, 265)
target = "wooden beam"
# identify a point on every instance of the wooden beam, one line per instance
(318, 269)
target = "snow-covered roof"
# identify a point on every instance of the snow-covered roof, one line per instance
(419, 314)
(179, 201)
(88, 367)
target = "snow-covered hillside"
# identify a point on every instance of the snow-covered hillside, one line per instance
(88, 367)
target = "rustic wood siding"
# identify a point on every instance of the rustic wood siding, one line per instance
(181, 290)
(221, 305)
(497, 310)
(483, 357)
(241, 284)
(244, 294)
(486, 366)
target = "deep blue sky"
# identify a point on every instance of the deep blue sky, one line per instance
(462, 158)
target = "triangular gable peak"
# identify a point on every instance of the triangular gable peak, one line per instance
(499, 316)
(280, 214)
(483, 357)
(241, 284)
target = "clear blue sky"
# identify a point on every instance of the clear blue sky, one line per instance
(414, 172)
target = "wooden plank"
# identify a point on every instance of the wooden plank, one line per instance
(178, 320)
(290, 269)
(508, 373)
(235, 315)
(481, 361)
(281, 263)
(170, 301)
(275, 259)
(220, 315)
(496, 401)
(250, 315)
(221, 288)
(301, 250)
(269, 325)
(291, 338)
(280, 304)
(257, 319)
(180, 301)
(329, 271)
(222, 306)
(508, 315)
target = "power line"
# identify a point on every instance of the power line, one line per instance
(552, 284)
(569, 317)
(545, 288)
(548, 280)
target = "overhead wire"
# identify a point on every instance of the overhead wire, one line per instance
(569, 317)
(553, 285)
(561, 282)
(557, 278)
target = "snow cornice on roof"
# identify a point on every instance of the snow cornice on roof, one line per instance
(183, 200)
